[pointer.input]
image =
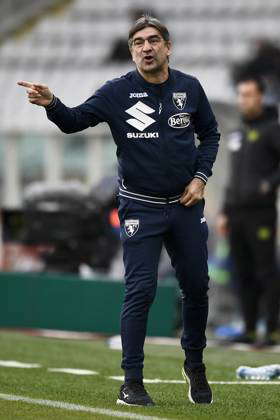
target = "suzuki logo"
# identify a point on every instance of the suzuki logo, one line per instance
(141, 120)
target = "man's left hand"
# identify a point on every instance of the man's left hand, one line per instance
(194, 192)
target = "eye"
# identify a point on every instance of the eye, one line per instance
(155, 40)
(137, 42)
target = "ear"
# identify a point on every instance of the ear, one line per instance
(130, 49)
(169, 46)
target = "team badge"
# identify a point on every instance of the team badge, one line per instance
(179, 99)
(131, 226)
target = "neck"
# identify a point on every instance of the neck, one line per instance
(159, 76)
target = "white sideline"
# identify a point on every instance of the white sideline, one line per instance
(73, 371)
(16, 364)
(178, 381)
(244, 382)
(78, 407)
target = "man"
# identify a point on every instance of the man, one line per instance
(153, 113)
(249, 210)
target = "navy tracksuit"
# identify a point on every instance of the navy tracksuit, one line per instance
(154, 126)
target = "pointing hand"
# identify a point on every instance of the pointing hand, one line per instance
(37, 93)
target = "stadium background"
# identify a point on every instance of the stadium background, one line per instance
(60, 260)
(67, 45)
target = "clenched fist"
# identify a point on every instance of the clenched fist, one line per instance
(37, 93)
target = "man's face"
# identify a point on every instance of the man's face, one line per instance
(149, 50)
(249, 98)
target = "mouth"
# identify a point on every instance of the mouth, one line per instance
(148, 59)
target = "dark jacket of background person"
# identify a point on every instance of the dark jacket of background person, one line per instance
(254, 158)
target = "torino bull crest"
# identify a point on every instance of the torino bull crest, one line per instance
(131, 226)
(179, 100)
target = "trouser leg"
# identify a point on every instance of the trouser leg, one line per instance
(186, 243)
(263, 244)
(141, 252)
(248, 288)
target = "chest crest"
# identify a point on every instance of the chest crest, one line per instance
(179, 100)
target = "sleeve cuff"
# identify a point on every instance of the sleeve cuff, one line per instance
(52, 104)
(201, 176)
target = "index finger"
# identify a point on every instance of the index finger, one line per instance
(25, 84)
(40, 85)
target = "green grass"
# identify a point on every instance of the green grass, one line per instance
(230, 401)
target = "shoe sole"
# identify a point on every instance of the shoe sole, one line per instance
(121, 402)
(185, 376)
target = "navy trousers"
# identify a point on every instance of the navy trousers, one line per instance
(145, 228)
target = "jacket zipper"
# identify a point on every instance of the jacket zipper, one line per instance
(162, 137)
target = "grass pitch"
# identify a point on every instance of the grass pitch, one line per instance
(164, 362)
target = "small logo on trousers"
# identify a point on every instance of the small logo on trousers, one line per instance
(131, 226)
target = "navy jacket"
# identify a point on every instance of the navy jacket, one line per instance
(153, 126)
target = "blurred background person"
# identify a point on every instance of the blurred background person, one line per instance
(249, 213)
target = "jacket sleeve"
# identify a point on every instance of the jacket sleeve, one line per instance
(90, 113)
(274, 143)
(206, 128)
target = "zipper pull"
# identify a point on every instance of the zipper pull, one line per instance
(160, 108)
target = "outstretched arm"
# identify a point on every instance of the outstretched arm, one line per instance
(69, 120)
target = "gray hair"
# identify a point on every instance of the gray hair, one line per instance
(146, 21)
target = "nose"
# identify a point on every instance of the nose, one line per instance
(146, 46)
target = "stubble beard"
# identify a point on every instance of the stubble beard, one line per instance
(155, 69)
